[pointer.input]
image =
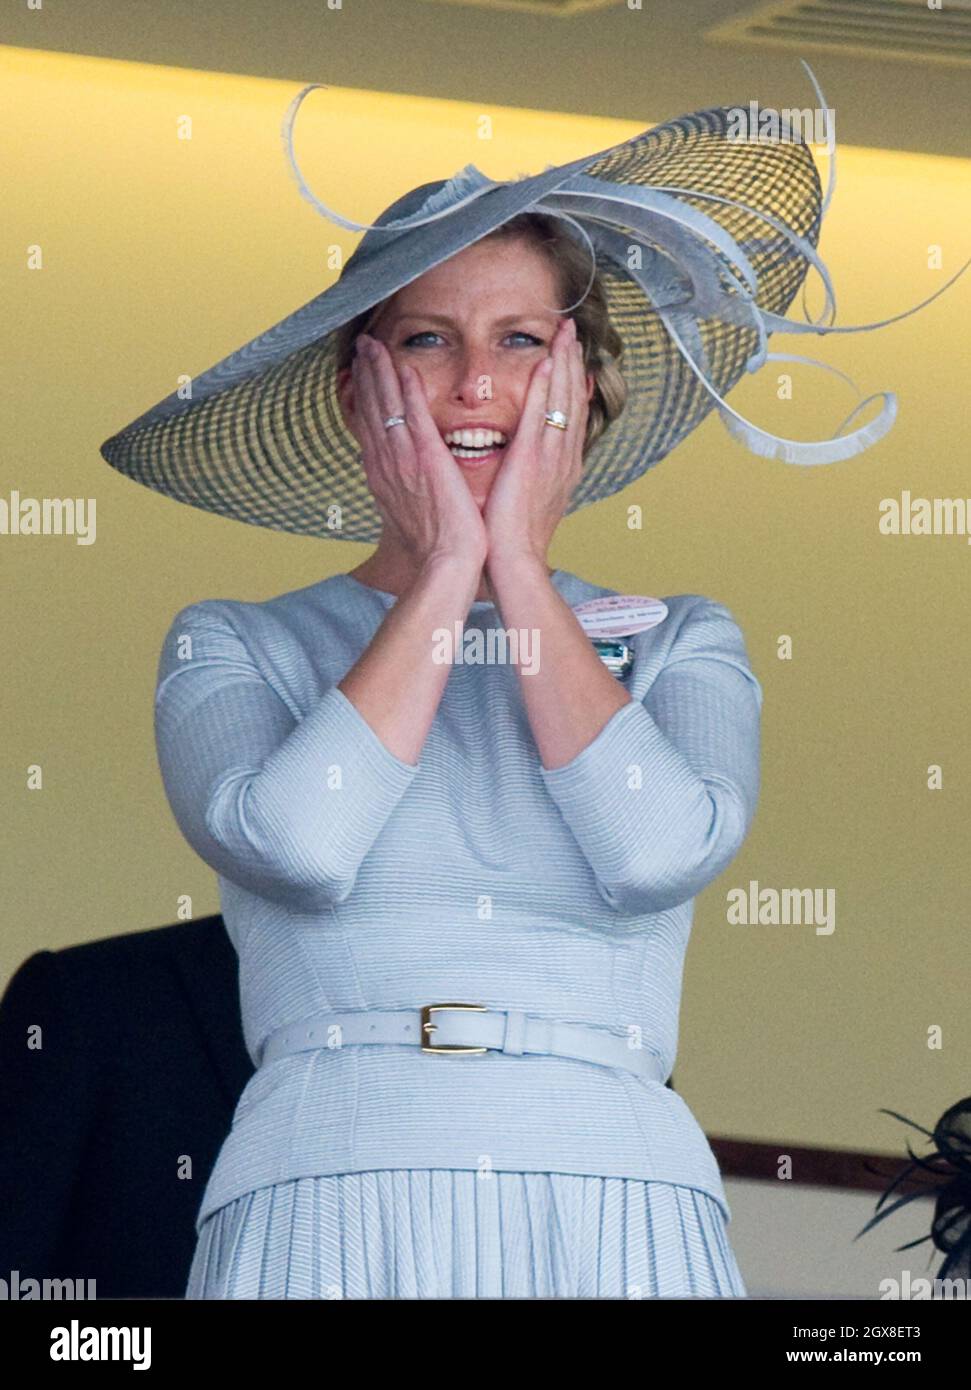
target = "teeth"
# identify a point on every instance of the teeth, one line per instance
(475, 439)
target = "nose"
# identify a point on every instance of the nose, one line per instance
(474, 375)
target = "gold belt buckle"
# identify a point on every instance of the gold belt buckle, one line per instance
(427, 1028)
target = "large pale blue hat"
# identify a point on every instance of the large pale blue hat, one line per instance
(702, 231)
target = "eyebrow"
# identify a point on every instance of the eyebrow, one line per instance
(443, 318)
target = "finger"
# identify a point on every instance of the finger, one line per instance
(424, 431)
(387, 386)
(531, 422)
(384, 400)
(560, 396)
(391, 464)
(579, 405)
(396, 450)
(579, 413)
(371, 453)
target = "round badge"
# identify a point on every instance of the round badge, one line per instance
(620, 615)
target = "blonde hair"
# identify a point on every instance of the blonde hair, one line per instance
(570, 260)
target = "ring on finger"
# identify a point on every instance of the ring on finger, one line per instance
(557, 419)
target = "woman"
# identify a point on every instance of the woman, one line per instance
(588, 931)
(461, 892)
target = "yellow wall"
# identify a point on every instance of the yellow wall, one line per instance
(163, 255)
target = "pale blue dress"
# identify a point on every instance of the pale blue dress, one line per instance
(352, 880)
(449, 1233)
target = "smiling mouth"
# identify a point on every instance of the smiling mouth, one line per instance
(475, 446)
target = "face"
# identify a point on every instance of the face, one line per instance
(474, 329)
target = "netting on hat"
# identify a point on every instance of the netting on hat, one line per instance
(666, 400)
(273, 449)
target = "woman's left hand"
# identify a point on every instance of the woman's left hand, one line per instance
(542, 464)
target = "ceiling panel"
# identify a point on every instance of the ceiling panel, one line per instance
(647, 63)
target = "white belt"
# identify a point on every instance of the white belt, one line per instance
(462, 1029)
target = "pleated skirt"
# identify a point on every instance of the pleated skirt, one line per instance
(451, 1233)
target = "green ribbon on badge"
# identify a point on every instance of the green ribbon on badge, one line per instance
(609, 620)
(616, 655)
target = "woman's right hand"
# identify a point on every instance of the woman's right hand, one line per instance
(417, 486)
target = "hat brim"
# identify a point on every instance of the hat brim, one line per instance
(262, 438)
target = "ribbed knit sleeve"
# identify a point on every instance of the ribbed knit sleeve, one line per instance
(661, 800)
(285, 808)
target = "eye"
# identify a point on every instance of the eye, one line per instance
(414, 340)
(409, 342)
